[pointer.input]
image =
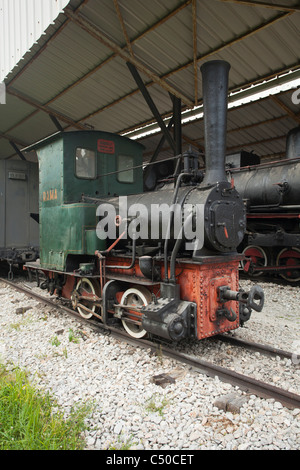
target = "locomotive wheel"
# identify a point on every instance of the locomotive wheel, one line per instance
(136, 297)
(258, 258)
(289, 257)
(86, 287)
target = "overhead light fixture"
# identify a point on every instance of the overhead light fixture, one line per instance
(276, 85)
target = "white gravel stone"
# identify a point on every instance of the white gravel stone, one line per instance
(130, 410)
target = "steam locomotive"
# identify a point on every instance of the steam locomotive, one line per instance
(95, 247)
(272, 193)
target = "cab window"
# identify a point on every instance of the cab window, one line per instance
(125, 169)
(85, 166)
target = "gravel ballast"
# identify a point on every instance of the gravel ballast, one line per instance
(76, 364)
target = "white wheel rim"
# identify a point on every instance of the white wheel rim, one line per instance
(84, 313)
(143, 296)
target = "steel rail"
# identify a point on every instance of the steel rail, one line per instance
(288, 399)
(257, 347)
(248, 384)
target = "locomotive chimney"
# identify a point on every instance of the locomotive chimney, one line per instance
(293, 143)
(215, 90)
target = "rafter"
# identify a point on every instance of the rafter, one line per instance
(193, 62)
(205, 57)
(12, 139)
(286, 108)
(46, 109)
(200, 141)
(273, 6)
(117, 7)
(217, 50)
(94, 31)
(236, 40)
(139, 36)
(256, 142)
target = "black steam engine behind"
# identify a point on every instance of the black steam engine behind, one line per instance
(272, 194)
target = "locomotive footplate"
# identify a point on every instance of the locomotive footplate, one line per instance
(36, 266)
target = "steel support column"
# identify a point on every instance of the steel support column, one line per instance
(151, 104)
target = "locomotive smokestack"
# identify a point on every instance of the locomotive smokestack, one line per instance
(215, 76)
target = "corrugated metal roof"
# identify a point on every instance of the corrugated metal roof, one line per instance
(22, 22)
(260, 126)
(77, 70)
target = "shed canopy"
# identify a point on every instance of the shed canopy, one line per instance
(77, 76)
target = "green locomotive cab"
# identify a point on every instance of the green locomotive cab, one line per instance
(77, 169)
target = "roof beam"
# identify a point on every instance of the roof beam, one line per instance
(183, 5)
(256, 142)
(56, 123)
(12, 139)
(197, 144)
(217, 50)
(251, 32)
(94, 31)
(129, 47)
(273, 6)
(199, 140)
(151, 105)
(17, 150)
(187, 140)
(247, 127)
(44, 108)
(286, 108)
(175, 11)
(161, 21)
(256, 124)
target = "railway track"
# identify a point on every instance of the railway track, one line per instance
(245, 383)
